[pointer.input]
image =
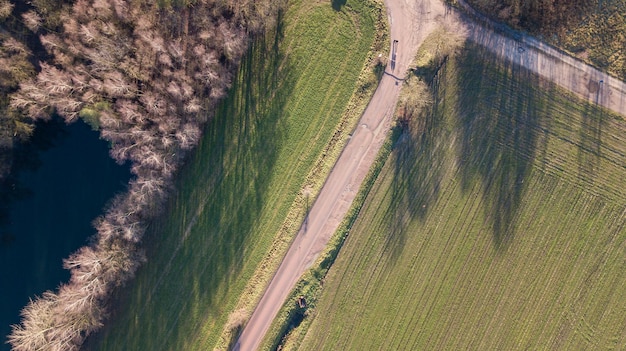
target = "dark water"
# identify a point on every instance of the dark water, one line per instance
(62, 180)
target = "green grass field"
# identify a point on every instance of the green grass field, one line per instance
(497, 223)
(295, 99)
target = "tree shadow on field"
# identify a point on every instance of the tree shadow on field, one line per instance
(499, 110)
(197, 250)
(338, 4)
(419, 161)
(590, 135)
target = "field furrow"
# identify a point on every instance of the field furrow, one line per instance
(511, 236)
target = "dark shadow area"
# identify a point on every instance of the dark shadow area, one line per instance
(338, 4)
(307, 207)
(499, 107)
(431, 71)
(590, 135)
(547, 18)
(379, 70)
(600, 156)
(15, 25)
(236, 332)
(296, 316)
(198, 247)
(61, 180)
(25, 157)
(419, 159)
(503, 119)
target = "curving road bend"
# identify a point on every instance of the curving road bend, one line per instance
(410, 22)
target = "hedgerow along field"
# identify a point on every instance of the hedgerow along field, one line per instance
(298, 94)
(497, 223)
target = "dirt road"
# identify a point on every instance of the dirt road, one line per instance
(410, 22)
(553, 65)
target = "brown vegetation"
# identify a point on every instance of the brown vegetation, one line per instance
(537, 16)
(594, 31)
(14, 67)
(147, 76)
(541, 15)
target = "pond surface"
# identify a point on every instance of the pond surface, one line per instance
(61, 182)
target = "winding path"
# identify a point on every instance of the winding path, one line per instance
(410, 22)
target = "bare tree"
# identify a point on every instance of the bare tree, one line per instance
(32, 20)
(38, 322)
(5, 9)
(140, 73)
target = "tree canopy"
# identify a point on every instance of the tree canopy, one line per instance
(147, 75)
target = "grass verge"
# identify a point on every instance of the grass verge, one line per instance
(296, 97)
(498, 222)
(366, 84)
(289, 327)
